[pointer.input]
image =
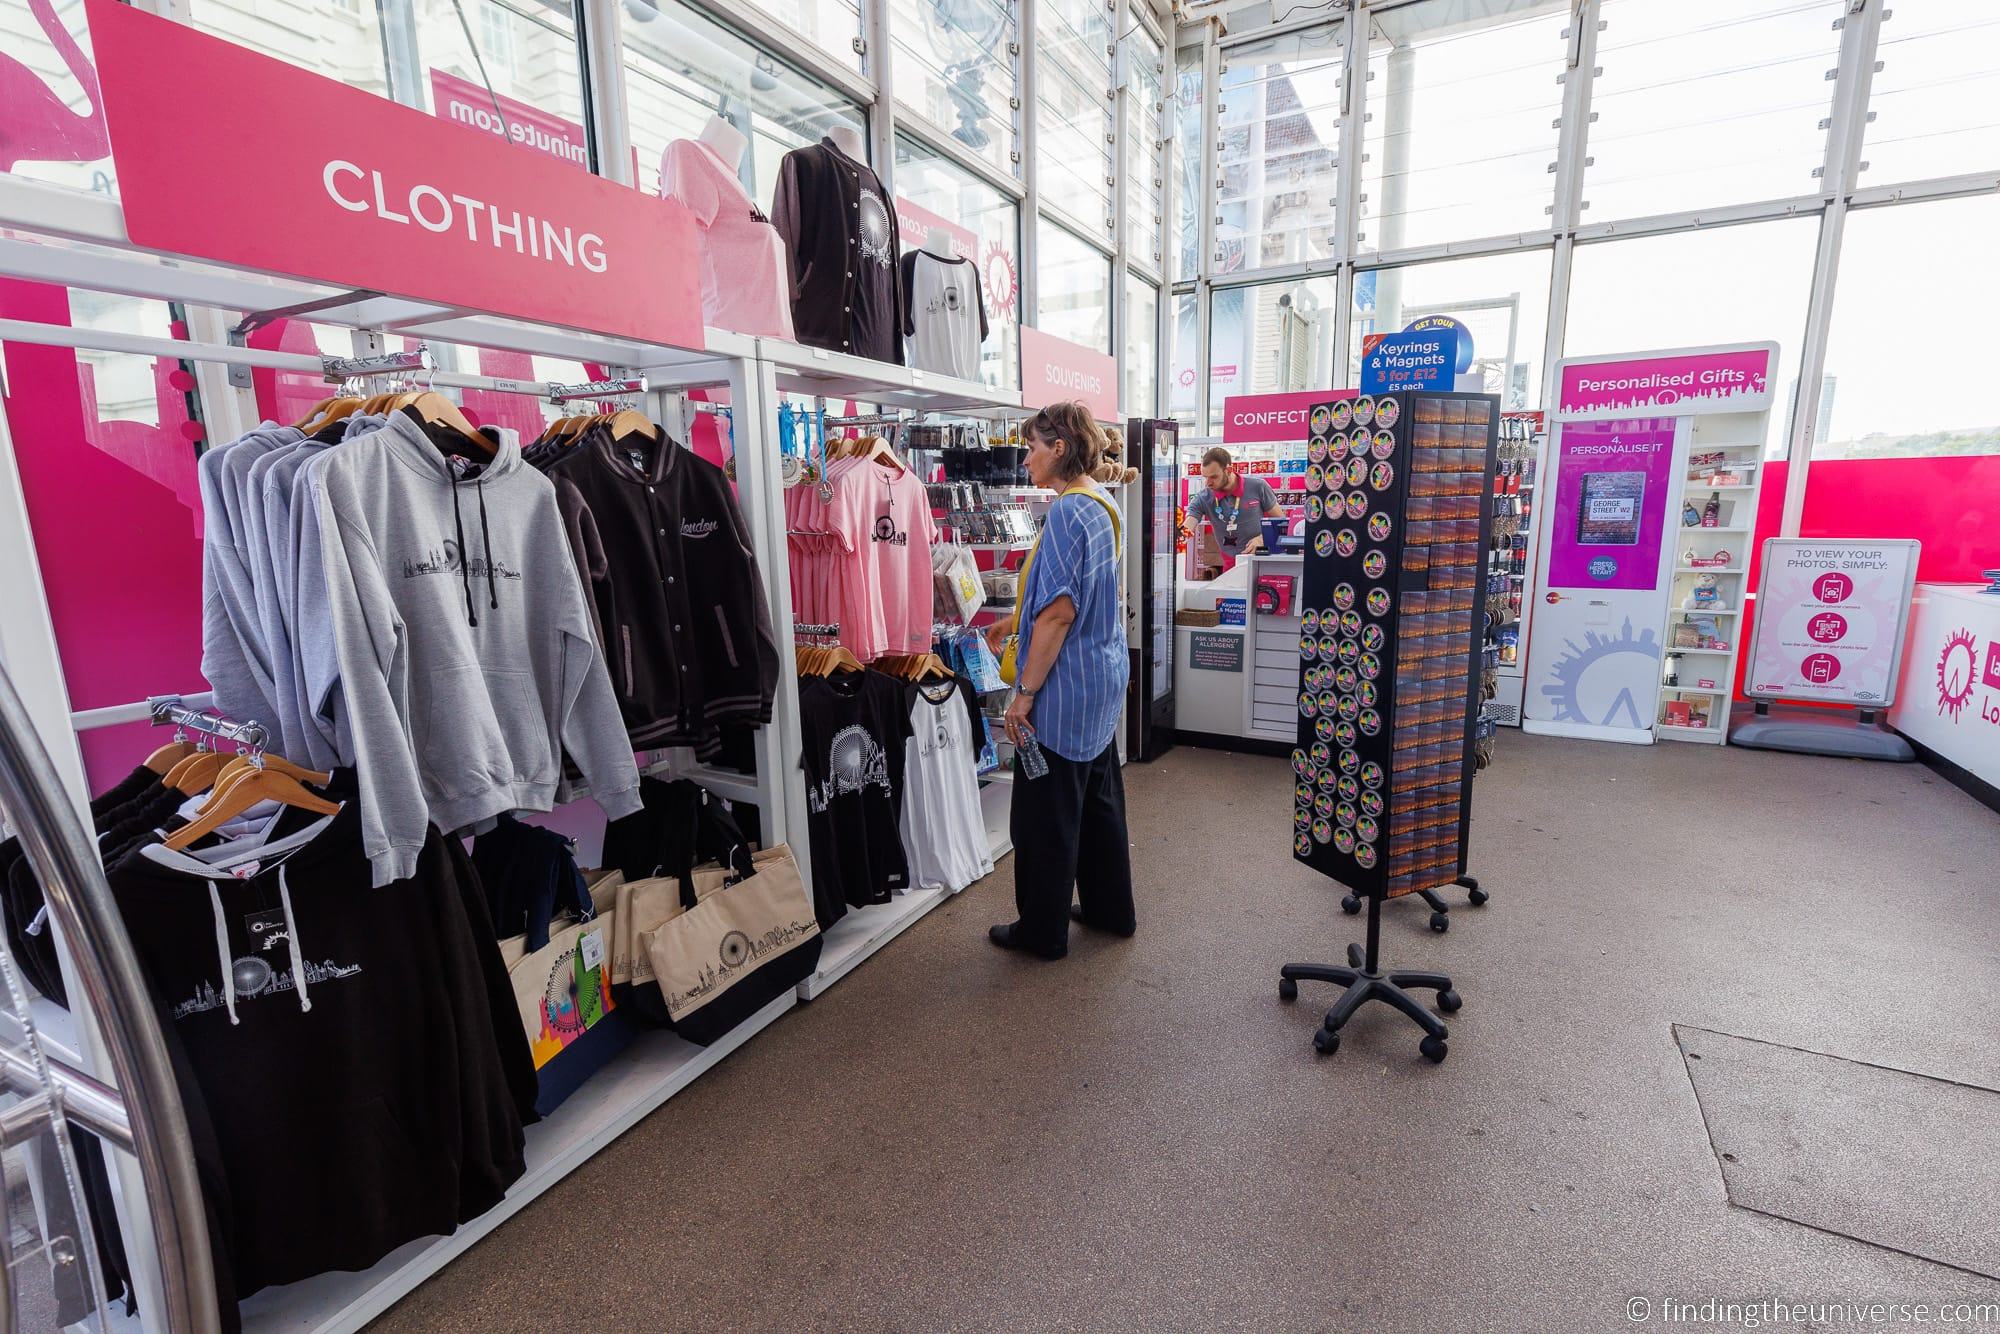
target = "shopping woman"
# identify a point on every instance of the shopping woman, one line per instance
(1070, 670)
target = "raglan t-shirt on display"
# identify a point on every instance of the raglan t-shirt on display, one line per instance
(944, 827)
(744, 279)
(883, 518)
(944, 314)
(853, 726)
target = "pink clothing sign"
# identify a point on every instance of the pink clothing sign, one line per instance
(917, 222)
(332, 184)
(1612, 484)
(1054, 369)
(1259, 418)
(1736, 380)
(1830, 618)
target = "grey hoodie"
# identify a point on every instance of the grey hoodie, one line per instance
(234, 660)
(461, 646)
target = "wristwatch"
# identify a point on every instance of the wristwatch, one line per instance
(1027, 693)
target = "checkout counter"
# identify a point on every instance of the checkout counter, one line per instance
(1948, 700)
(1240, 681)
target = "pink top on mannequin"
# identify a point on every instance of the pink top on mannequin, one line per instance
(745, 284)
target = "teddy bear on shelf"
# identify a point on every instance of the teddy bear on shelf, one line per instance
(1705, 596)
(1111, 470)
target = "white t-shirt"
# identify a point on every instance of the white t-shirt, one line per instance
(944, 314)
(944, 829)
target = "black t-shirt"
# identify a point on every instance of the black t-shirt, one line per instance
(854, 725)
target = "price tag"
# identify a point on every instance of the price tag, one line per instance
(820, 354)
(591, 949)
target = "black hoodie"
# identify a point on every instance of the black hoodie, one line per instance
(335, 1046)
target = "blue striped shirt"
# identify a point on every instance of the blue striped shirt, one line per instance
(1076, 711)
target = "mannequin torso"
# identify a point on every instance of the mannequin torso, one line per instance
(848, 140)
(725, 141)
(936, 242)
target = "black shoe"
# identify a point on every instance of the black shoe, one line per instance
(1007, 935)
(1076, 915)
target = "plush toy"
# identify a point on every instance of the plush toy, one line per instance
(1111, 470)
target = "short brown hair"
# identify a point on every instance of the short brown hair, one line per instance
(1217, 454)
(1072, 425)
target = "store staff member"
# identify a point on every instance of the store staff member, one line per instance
(1235, 504)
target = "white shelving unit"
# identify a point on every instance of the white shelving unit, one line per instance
(62, 236)
(1716, 434)
(1511, 682)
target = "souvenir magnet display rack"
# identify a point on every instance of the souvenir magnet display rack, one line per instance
(1397, 526)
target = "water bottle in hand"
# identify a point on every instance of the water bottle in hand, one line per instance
(1033, 763)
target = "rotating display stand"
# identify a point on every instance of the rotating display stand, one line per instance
(1398, 522)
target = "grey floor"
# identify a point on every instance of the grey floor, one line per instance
(1141, 1137)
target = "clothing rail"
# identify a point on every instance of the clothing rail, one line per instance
(619, 388)
(171, 709)
(111, 715)
(145, 345)
(32, 801)
(869, 419)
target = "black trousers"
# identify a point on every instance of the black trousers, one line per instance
(1069, 832)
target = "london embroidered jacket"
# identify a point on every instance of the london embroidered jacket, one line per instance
(840, 231)
(679, 608)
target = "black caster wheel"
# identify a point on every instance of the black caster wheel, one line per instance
(1440, 922)
(1356, 956)
(1350, 905)
(1449, 1001)
(1478, 896)
(1326, 1042)
(1288, 990)
(1434, 1049)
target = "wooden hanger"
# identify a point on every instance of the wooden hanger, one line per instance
(883, 454)
(199, 773)
(166, 757)
(434, 409)
(245, 792)
(630, 421)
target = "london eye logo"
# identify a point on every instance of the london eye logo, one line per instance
(1956, 673)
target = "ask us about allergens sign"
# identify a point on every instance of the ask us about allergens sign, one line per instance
(1830, 620)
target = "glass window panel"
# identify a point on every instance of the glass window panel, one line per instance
(1073, 152)
(1911, 266)
(1462, 126)
(681, 67)
(1708, 102)
(1279, 131)
(1073, 296)
(342, 39)
(954, 68)
(60, 139)
(1501, 300)
(528, 53)
(1146, 169)
(1189, 194)
(831, 25)
(940, 185)
(1269, 339)
(1183, 403)
(1935, 96)
(1689, 289)
(1142, 342)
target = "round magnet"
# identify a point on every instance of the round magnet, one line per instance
(1350, 622)
(1371, 774)
(1350, 787)
(1315, 507)
(1343, 595)
(1378, 528)
(1322, 418)
(1302, 845)
(1381, 476)
(1371, 802)
(1345, 813)
(1357, 471)
(1372, 638)
(1346, 542)
(1323, 543)
(1322, 831)
(1367, 828)
(1342, 415)
(1325, 730)
(1356, 504)
(1364, 410)
(1371, 721)
(1371, 666)
(1364, 855)
(1386, 412)
(1349, 761)
(1374, 565)
(1344, 840)
(1378, 602)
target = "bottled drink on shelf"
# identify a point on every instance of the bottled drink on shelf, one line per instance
(1711, 513)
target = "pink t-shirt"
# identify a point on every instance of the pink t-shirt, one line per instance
(882, 516)
(745, 280)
